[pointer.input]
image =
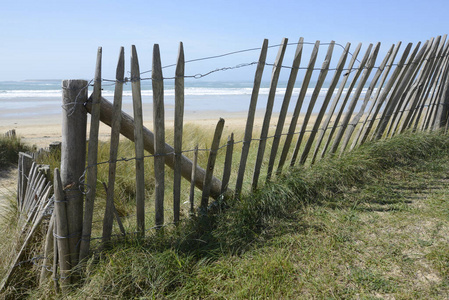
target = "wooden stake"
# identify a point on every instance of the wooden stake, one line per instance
(211, 165)
(177, 143)
(138, 142)
(159, 135)
(113, 150)
(268, 111)
(92, 161)
(73, 158)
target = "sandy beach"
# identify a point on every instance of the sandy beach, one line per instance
(43, 129)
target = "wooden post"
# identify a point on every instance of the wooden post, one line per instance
(24, 165)
(380, 88)
(227, 164)
(192, 182)
(177, 143)
(138, 142)
(384, 93)
(127, 129)
(334, 103)
(346, 98)
(211, 165)
(351, 125)
(113, 151)
(268, 111)
(73, 158)
(424, 76)
(327, 98)
(159, 135)
(315, 94)
(297, 110)
(250, 119)
(49, 248)
(355, 98)
(431, 87)
(92, 161)
(284, 108)
(397, 92)
(62, 232)
(437, 88)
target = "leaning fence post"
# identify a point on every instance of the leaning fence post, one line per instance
(211, 165)
(73, 157)
(92, 161)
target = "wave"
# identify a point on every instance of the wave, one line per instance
(189, 92)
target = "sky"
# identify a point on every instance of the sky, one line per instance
(59, 39)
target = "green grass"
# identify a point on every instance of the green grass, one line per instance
(372, 224)
(9, 151)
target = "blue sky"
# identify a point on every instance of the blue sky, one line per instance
(59, 39)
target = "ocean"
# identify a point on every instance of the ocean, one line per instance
(33, 98)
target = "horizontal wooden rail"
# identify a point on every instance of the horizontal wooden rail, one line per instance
(127, 129)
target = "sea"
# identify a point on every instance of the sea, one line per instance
(32, 98)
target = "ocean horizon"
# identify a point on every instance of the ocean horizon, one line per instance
(28, 98)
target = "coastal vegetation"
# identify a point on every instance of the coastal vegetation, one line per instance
(370, 224)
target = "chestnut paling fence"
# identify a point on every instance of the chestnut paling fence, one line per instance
(366, 98)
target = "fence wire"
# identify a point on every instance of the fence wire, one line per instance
(34, 260)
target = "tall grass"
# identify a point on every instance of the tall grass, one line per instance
(206, 257)
(9, 151)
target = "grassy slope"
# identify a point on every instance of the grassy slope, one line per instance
(373, 224)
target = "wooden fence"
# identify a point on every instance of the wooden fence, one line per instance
(408, 90)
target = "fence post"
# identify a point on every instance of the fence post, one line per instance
(73, 157)
(159, 135)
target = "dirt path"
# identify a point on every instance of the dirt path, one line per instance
(8, 185)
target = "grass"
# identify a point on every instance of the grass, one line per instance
(371, 224)
(9, 151)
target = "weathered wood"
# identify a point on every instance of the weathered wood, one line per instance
(20, 256)
(211, 165)
(115, 213)
(327, 98)
(439, 94)
(268, 111)
(48, 251)
(375, 109)
(92, 161)
(250, 119)
(284, 108)
(394, 98)
(346, 98)
(416, 86)
(398, 92)
(55, 259)
(73, 157)
(333, 106)
(355, 120)
(127, 130)
(113, 150)
(355, 98)
(159, 136)
(361, 133)
(395, 94)
(316, 92)
(227, 164)
(297, 110)
(24, 165)
(178, 128)
(437, 88)
(192, 182)
(62, 231)
(138, 142)
(431, 86)
(441, 118)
